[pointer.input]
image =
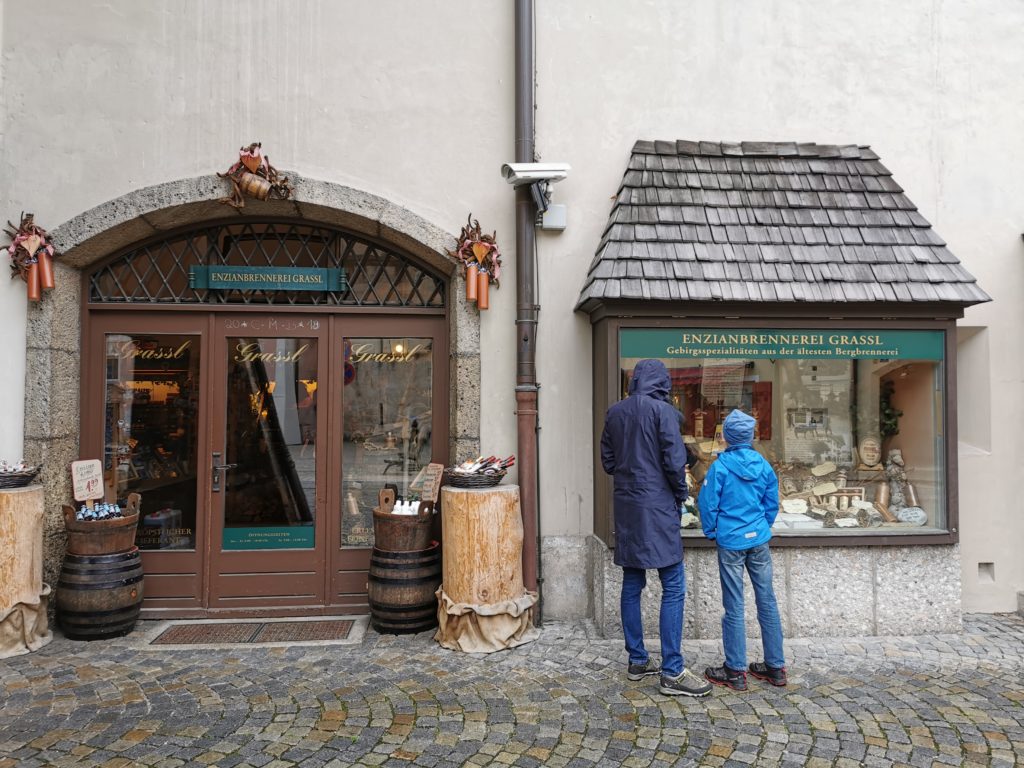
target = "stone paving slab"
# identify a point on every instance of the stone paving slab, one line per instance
(560, 701)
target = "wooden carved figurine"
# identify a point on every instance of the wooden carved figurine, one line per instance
(255, 177)
(32, 255)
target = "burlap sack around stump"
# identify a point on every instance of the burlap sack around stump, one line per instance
(485, 628)
(23, 595)
(24, 627)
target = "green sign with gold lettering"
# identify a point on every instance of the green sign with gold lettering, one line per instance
(269, 537)
(781, 343)
(267, 279)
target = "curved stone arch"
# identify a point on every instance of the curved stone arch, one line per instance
(53, 362)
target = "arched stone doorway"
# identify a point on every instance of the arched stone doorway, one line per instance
(59, 328)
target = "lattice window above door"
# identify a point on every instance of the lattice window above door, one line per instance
(158, 272)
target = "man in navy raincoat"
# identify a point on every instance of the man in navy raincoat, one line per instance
(642, 447)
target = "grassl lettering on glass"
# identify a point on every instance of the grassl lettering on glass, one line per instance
(128, 350)
(364, 353)
(251, 353)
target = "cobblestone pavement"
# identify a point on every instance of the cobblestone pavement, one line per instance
(560, 701)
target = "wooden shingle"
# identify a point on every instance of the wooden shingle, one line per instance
(769, 222)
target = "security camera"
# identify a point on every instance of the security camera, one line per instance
(518, 174)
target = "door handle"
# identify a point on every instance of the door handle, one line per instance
(217, 468)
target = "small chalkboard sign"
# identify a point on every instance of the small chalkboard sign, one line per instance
(87, 479)
(428, 482)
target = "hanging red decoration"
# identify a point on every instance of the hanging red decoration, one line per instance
(32, 254)
(481, 259)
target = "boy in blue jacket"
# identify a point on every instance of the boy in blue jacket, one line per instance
(738, 504)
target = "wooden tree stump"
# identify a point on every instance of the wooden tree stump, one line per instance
(482, 531)
(482, 603)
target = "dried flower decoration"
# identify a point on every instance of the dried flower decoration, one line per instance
(32, 254)
(481, 258)
(253, 176)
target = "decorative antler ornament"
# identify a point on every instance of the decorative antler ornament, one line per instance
(481, 258)
(254, 176)
(32, 255)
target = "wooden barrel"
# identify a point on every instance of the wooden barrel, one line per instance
(403, 533)
(99, 596)
(254, 186)
(102, 537)
(401, 587)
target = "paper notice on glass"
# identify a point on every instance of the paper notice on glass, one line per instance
(87, 479)
(722, 381)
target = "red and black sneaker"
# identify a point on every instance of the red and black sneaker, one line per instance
(773, 675)
(730, 678)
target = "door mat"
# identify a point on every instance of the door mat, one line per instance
(267, 633)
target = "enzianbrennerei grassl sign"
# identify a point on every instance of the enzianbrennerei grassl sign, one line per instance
(780, 343)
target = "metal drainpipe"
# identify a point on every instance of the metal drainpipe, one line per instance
(526, 306)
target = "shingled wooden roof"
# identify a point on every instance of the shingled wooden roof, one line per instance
(769, 222)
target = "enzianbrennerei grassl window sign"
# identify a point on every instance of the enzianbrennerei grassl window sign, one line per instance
(267, 278)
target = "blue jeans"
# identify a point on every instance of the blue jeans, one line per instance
(670, 623)
(758, 562)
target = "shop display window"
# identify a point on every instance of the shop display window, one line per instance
(388, 417)
(851, 420)
(151, 430)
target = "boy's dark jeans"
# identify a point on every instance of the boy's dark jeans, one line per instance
(758, 562)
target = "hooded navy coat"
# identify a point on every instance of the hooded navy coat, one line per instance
(642, 447)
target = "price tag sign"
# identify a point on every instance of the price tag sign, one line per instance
(87, 479)
(428, 482)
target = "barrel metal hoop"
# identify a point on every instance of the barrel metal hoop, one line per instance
(74, 585)
(110, 557)
(409, 555)
(406, 566)
(129, 567)
(128, 610)
(430, 577)
(393, 607)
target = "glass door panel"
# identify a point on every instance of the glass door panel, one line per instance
(268, 472)
(387, 400)
(267, 479)
(151, 432)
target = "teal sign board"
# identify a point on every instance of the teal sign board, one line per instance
(267, 279)
(269, 537)
(780, 343)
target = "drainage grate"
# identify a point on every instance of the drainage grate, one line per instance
(286, 632)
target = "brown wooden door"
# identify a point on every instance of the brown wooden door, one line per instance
(145, 415)
(259, 443)
(389, 419)
(267, 471)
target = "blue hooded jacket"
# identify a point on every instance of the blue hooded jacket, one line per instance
(642, 447)
(739, 499)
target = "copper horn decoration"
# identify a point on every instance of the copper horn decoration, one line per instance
(481, 260)
(32, 253)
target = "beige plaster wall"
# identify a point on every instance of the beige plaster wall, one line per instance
(924, 82)
(410, 102)
(12, 311)
(413, 102)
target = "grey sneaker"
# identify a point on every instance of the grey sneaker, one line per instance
(640, 671)
(686, 684)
